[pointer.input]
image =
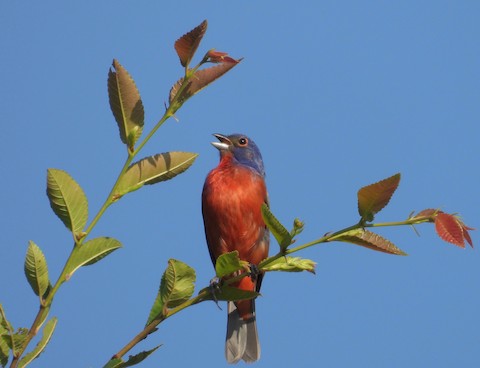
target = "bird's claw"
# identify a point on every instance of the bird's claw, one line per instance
(254, 271)
(214, 289)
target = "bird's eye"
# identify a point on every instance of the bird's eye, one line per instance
(243, 141)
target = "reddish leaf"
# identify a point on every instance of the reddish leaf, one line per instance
(219, 57)
(370, 240)
(450, 229)
(188, 43)
(372, 198)
(465, 229)
(199, 80)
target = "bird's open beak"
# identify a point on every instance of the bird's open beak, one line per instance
(224, 144)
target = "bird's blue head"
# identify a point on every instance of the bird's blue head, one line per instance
(243, 149)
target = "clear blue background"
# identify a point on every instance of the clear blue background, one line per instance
(337, 94)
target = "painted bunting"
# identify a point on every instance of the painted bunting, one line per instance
(232, 197)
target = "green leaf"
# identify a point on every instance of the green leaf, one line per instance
(229, 263)
(188, 43)
(374, 197)
(281, 234)
(90, 252)
(154, 169)
(137, 358)
(5, 333)
(35, 353)
(16, 340)
(369, 240)
(180, 93)
(178, 283)
(4, 350)
(291, 264)
(67, 200)
(176, 287)
(230, 293)
(125, 103)
(132, 359)
(36, 270)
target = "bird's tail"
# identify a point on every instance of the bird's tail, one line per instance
(242, 337)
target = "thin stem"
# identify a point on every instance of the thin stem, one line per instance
(411, 221)
(323, 239)
(201, 297)
(164, 118)
(152, 326)
(37, 323)
(327, 238)
(109, 200)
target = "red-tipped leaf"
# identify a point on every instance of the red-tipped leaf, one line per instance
(188, 43)
(372, 198)
(451, 229)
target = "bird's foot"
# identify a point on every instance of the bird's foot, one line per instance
(254, 272)
(214, 289)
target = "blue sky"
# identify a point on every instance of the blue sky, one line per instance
(337, 95)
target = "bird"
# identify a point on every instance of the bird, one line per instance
(232, 199)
